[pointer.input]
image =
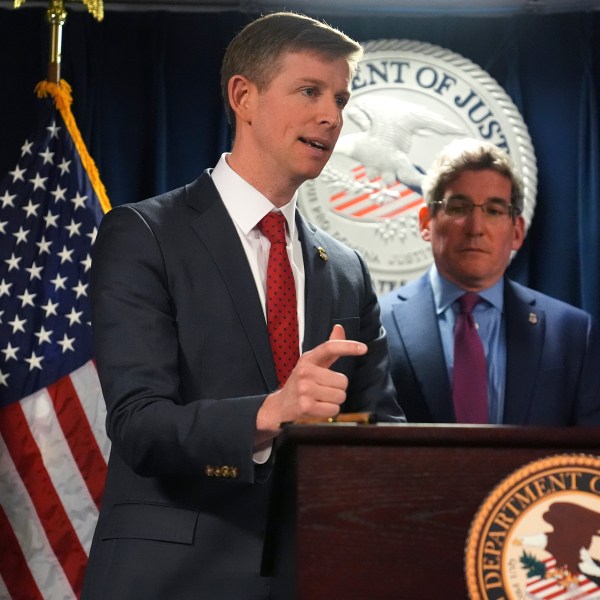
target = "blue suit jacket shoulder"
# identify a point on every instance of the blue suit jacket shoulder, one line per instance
(552, 350)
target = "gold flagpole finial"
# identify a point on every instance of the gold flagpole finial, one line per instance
(56, 16)
(95, 7)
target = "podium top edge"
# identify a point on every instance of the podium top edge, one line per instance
(401, 434)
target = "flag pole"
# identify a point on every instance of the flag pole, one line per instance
(56, 15)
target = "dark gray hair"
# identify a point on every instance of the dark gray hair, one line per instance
(469, 154)
(256, 51)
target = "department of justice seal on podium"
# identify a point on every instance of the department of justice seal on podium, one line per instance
(537, 534)
(409, 99)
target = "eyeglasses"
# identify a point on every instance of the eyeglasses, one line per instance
(494, 210)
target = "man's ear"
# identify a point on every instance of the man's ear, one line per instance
(424, 223)
(241, 93)
(518, 233)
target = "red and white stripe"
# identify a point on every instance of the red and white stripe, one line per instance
(549, 589)
(365, 206)
(53, 457)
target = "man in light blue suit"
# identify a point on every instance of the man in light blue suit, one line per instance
(542, 355)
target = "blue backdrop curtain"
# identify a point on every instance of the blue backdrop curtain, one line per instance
(147, 101)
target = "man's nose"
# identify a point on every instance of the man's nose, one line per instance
(331, 113)
(476, 219)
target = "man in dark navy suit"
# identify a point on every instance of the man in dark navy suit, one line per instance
(180, 307)
(542, 356)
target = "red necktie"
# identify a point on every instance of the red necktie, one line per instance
(282, 311)
(469, 386)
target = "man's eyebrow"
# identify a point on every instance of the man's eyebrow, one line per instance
(310, 81)
(461, 196)
(458, 196)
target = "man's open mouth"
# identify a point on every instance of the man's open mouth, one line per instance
(314, 143)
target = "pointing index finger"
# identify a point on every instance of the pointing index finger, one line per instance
(328, 352)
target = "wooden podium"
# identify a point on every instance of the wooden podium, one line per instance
(384, 511)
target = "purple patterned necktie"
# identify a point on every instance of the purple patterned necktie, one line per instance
(282, 308)
(469, 386)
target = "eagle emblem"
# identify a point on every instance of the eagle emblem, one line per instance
(537, 534)
(559, 563)
(383, 182)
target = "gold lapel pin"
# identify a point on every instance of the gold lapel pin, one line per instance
(322, 254)
(533, 318)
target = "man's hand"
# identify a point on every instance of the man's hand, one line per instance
(312, 390)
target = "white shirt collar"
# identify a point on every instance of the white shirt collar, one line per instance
(245, 204)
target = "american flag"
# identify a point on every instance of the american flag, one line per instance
(53, 446)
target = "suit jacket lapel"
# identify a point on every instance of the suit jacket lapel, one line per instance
(317, 295)
(525, 330)
(220, 237)
(418, 327)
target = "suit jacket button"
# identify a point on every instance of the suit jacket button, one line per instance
(226, 471)
(234, 472)
(209, 471)
(218, 472)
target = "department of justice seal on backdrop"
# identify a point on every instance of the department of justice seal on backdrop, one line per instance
(537, 535)
(409, 99)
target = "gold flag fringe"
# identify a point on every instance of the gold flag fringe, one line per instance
(61, 93)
